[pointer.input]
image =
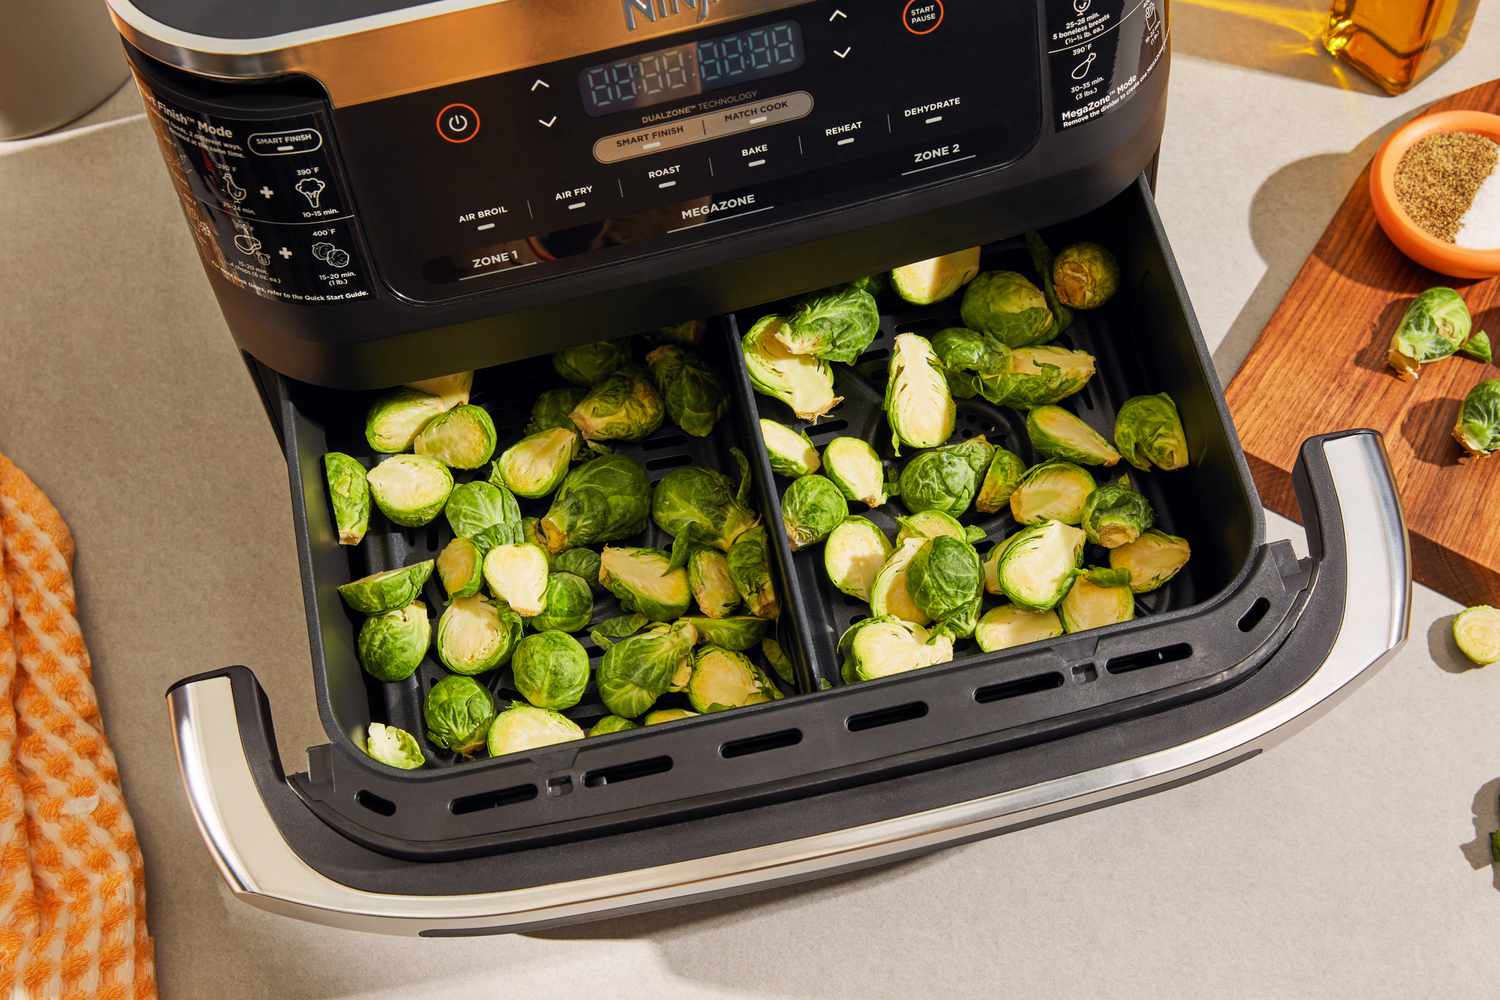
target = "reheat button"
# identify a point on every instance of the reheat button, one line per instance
(457, 123)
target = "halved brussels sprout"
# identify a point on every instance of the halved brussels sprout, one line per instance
(723, 679)
(779, 661)
(608, 631)
(600, 501)
(932, 523)
(1085, 275)
(1478, 347)
(875, 284)
(945, 479)
(453, 389)
(475, 635)
(462, 438)
(1148, 432)
(1098, 597)
(699, 506)
(1040, 375)
(410, 490)
(991, 566)
(856, 470)
(551, 669)
(1151, 560)
(1008, 307)
(1115, 514)
(1477, 429)
(890, 591)
(928, 281)
(750, 569)
(918, 404)
(1000, 480)
(944, 577)
(1476, 630)
(811, 507)
(791, 451)
(1052, 491)
(713, 588)
(639, 669)
(1008, 626)
(391, 645)
(694, 398)
(485, 512)
(526, 727)
(1435, 326)
(801, 381)
(460, 567)
(884, 645)
(624, 407)
(517, 575)
(664, 715)
(535, 465)
(531, 533)
(739, 633)
(853, 554)
(582, 563)
(590, 364)
(394, 747)
(1056, 433)
(458, 713)
(837, 325)
(395, 418)
(1039, 563)
(646, 581)
(686, 334)
(568, 606)
(611, 724)
(387, 590)
(972, 361)
(349, 494)
(552, 407)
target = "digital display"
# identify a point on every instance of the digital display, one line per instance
(691, 69)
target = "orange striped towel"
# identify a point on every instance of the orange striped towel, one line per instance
(72, 885)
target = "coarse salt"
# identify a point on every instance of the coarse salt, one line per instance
(1479, 229)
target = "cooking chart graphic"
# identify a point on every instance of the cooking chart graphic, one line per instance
(311, 188)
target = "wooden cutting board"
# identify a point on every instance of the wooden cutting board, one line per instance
(1319, 366)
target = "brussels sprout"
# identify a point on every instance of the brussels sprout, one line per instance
(698, 506)
(945, 479)
(462, 438)
(738, 633)
(811, 507)
(552, 407)
(606, 632)
(991, 566)
(532, 534)
(525, 727)
(1039, 375)
(1085, 275)
(387, 590)
(458, 713)
(535, 465)
(551, 669)
(1052, 491)
(972, 361)
(856, 470)
(1477, 429)
(872, 283)
(750, 569)
(1151, 560)
(1148, 432)
(1478, 348)
(779, 661)
(694, 398)
(944, 577)
(664, 715)
(394, 747)
(453, 389)
(687, 334)
(837, 325)
(1115, 514)
(1041, 259)
(410, 490)
(600, 501)
(392, 644)
(582, 563)
(791, 451)
(1039, 563)
(517, 575)
(485, 512)
(350, 495)
(611, 724)
(932, 523)
(396, 417)
(475, 635)
(918, 405)
(460, 566)
(1002, 477)
(1476, 630)
(853, 554)
(928, 281)
(1009, 308)
(1008, 626)
(568, 606)
(624, 407)
(590, 364)
(1098, 597)
(801, 381)
(646, 581)
(713, 590)
(890, 591)
(723, 679)
(1435, 326)
(1056, 433)
(639, 669)
(884, 645)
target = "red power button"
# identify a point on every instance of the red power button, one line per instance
(457, 123)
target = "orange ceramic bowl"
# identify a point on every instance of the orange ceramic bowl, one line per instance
(1430, 252)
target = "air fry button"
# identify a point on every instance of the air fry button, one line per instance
(457, 123)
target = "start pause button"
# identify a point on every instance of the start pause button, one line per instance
(922, 17)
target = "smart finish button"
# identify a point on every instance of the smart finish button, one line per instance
(922, 17)
(457, 123)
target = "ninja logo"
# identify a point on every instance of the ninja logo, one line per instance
(655, 10)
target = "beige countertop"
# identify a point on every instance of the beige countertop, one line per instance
(1348, 861)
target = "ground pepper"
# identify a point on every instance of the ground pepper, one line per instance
(1438, 176)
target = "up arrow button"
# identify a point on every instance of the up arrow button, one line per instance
(837, 14)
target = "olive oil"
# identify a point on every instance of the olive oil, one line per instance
(1397, 42)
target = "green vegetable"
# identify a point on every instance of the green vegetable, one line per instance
(460, 566)
(694, 398)
(590, 364)
(524, 727)
(1435, 326)
(791, 451)
(1001, 478)
(928, 281)
(532, 534)
(624, 407)
(872, 283)
(1476, 630)
(350, 495)
(1477, 429)
(779, 661)
(606, 632)
(918, 404)
(646, 581)
(568, 606)
(1098, 597)
(945, 479)
(410, 490)
(1115, 514)
(551, 669)
(853, 554)
(535, 465)
(699, 506)
(801, 381)
(811, 507)
(713, 588)
(1039, 375)
(890, 591)
(723, 679)
(944, 577)
(1008, 307)
(1007, 626)
(1151, 560)
(602, 500)
(1041, 259)
(458, 713)
(1056, 433)
(750, 569)
(991, 566)
(475, 635)
(611, 724)
(836, 326)
(452, 389)
(856, 470)
(687, 334)
(552, 407)
(1148, 432)
(639, 669)
(738, 633)
(395, 418)
(394, 747)
(1478, 347)
(582, 563)
(392, 644)
(1039, 563)
(1052, 491)
(517, 575)
(883, 646)
(664, 715)
(973, 362)
(1085, 275)
(387, 590)
(486, 512)
(462, 438)
(932, 523)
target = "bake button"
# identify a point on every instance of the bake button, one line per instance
(457, 123)
(922, 17)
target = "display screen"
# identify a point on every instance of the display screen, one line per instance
(685, 70)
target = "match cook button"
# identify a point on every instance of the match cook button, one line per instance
(457, 123)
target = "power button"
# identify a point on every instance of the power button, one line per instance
(457, 123)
